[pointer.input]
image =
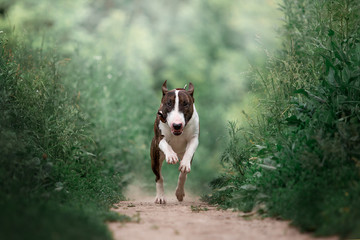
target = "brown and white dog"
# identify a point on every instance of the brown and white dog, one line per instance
(176, 137)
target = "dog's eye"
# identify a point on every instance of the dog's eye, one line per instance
(185, 104)
(169, 103)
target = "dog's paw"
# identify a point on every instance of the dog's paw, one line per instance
(184, 167)
(180, 194)
(160, 200)
(171, 158)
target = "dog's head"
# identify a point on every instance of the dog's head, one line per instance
(177, 107)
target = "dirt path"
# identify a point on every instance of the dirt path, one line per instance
(193, 219)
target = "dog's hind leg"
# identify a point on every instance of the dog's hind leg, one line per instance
(160, 195)
(180, 189)
(156, 162)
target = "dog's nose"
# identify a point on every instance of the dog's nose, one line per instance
(177, 126)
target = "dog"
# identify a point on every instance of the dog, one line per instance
(176, 137)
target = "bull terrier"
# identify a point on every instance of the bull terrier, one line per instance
(176, 137)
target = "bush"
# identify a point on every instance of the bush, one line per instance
(301, 155)
(51, 170)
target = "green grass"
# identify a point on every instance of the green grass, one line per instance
(54, 182)
(299, 157)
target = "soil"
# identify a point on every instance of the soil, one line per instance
(193, 219)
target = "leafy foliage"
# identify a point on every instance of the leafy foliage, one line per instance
(300, 156)
(48, 156)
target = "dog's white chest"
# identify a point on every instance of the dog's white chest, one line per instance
(177, 143)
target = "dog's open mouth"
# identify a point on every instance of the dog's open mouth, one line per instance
(176, 132)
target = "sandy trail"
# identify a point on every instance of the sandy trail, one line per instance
(177, 220)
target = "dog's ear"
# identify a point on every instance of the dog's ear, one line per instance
(164, 88)
(191, 90)
(162, 117)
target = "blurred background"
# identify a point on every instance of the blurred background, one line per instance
(115, 55)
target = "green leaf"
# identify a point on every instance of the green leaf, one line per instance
(293, 120)
(302, 91)
(339, 54)
(248, 187)
(331, 77)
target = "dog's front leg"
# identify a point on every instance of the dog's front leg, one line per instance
(185, 167)
(170, 155)
(189, 153)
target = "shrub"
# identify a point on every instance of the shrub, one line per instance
(300, 156)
